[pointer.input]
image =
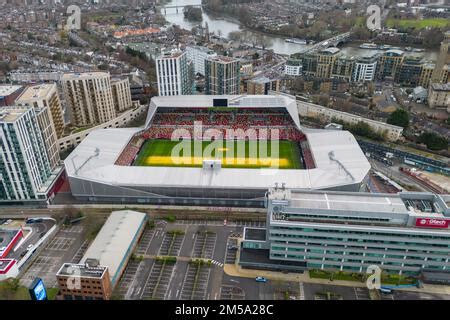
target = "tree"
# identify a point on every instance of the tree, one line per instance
(192, 13)
(433, 141)
(399, 117)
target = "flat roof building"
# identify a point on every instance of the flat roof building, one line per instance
(84, 281)
(402, 233)
(115, 242)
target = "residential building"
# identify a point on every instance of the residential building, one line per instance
(89, 98)
(365, 68)
(343, 68)
(262, 85)
(426, 73)
(121, 94)
(404, 233)
(389, 64)
(293, 67)
(443, 60)
(175, 74)
(326, 59)
(85, 281)
(198, 56)
(45, 96)
(409, 71)
(222, 75)
(9, 94)
(439, 95)
(25, 168)
(305, 109)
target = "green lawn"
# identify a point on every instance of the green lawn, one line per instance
(159, 153)
(10, 289)
(418, 24)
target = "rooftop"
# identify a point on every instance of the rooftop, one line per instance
(401, 203)
(40, 91)
(114, 240)
(441, 86)
(85, 75)
(82, 270)
(94, 159)
(11, 114)
(223, 59)
(7, 90)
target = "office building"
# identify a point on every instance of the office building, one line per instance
(85, 281)
(439, 95)
(121, 94)
(89, 98)
(404, 233)
(198, 56)
(222, 76)
(24, 163)
(175, 74)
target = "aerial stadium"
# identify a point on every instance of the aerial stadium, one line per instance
(213, 151)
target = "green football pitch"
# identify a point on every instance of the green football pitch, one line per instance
(233, 154)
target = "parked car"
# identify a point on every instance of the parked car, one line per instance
(261, 279)
(232, 247)
(30, 246)
(2, 249)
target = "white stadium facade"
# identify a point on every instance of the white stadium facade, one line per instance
(100, 169)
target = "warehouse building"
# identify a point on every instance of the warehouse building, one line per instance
(105, 260)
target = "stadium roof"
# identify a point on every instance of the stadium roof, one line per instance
(338, 157)
(112, 244)
(234, 101)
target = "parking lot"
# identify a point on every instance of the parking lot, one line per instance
(158, 281)
(68, 245)
(204, 245)
(195, 282)
(146, 278)
(171, 244)
(228, 292)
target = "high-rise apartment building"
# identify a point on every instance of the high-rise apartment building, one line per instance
(89, 97)
(25, 168)
(41, 96)
(222, 75)
(198, 55)
(175, 74)
(262, 85)
(343, 68)
(121, 94)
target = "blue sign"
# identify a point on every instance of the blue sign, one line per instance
(37, 290)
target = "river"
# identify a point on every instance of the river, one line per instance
(277, 43)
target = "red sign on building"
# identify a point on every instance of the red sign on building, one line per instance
(432, 223)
